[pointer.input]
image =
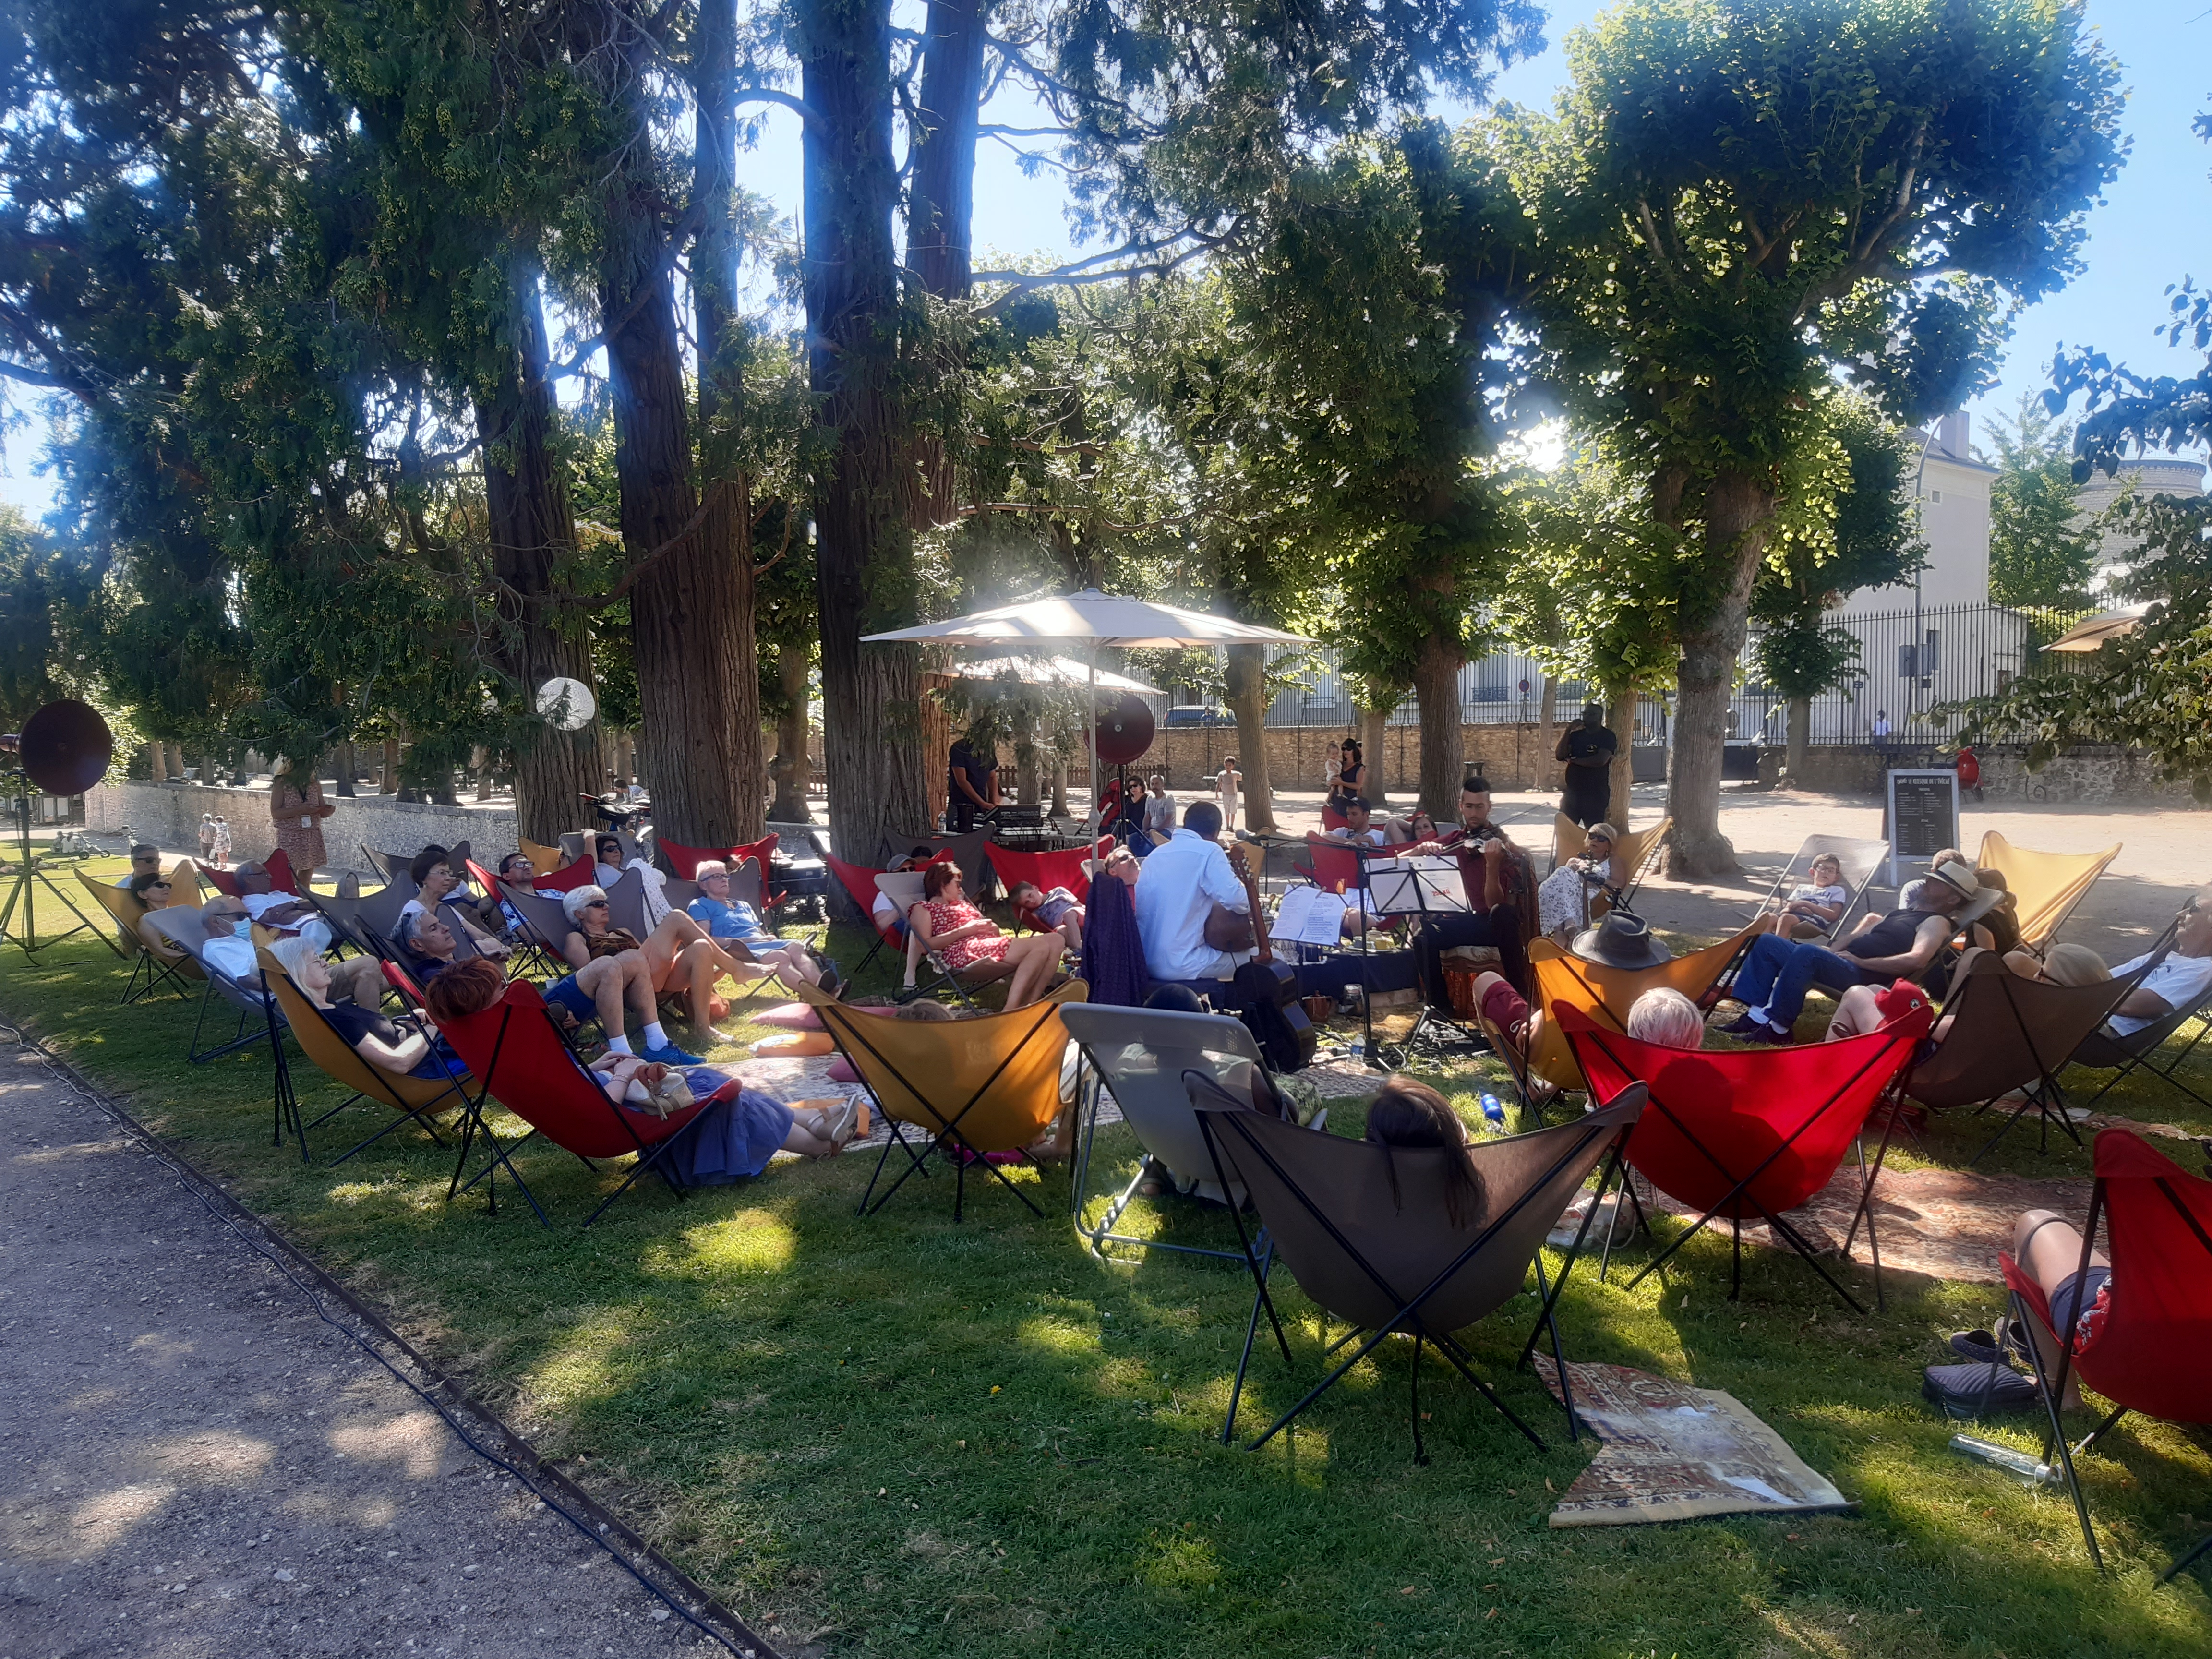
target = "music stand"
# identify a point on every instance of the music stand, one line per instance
(1429, 888)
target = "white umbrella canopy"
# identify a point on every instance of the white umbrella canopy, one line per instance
(1051, 670)
(1097, 619)
(2088, 636)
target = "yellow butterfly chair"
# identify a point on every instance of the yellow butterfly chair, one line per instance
(1606, 995)
(2045, 886)
(1631, 854)
(544, 860)
(150, 967)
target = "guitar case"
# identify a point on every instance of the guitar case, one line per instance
(1268, 1003)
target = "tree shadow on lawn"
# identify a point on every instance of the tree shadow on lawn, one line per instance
(779, 1391)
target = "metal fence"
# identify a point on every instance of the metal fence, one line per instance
(1908, 663)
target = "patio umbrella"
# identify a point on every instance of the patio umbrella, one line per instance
(1095, 619)
(1050, 671)
(2088, 636)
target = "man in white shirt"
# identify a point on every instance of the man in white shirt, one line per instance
(2176, 982)
(1359, 825)
(284, 911)
(1184, 880)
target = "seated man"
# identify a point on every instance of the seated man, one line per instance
(1501, 889)
(1359, 826)
(2048, 1249)
(517, 873)
(145, 860)
(1054, 912)
(2176, 982)
(1563, 899)
(1777, 972)
(732, 922)
(678, 955)
(1182, 882)
(285, 912)
(228, 928)
(427, 946)
(436, 881)
(1866, 1008)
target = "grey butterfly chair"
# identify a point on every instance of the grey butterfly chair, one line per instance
(1862, 861)
(1368, 1233)
(1139, 1055)
(180, 926)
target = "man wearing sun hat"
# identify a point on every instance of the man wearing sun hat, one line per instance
(1777, 972)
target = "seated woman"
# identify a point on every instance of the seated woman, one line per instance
(607, 850)
(1056, 911)
(1409, 1113)
(1815, 904)
(677, 957)
(735, 1136)
(1563, 899)
(409, 1051)
(1660, 1016)
(2048, 1249)
(733, 921)
(946, 923)
(152, 889)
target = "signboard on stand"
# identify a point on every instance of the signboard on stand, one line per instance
(1921, 808)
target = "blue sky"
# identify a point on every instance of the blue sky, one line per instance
(2155, 225)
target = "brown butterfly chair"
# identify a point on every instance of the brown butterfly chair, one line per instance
(2045, 886)
(416, 1100)
(2008, 1032)
(1606, 995)
(989, 1084)
(1366, 1231)
(151, 968)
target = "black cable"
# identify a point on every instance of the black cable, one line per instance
(196, 1184)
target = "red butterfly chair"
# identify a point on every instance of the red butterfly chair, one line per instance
(1330, 817)
(1752, 1132)
(859, 880)
(1048, 870)
(516, 1049)
(1331, 865)
(584, 872)
(2151, 1352)
(281, 876)
(684, 861)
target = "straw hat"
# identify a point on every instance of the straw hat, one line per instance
(1621, 939)
(1961, 878)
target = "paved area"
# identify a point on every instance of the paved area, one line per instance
(193, 1465)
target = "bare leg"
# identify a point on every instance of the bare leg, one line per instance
(603, 980)
(2048, 1248)
(1857, 1013)
(1034, 957)
(1071, 931)
(359, 980)
(676, 934)
(790, 964)
(812, 1133)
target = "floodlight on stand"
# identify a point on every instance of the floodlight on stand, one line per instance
(566, 703)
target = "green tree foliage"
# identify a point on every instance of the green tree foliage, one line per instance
(1734, 199)
(2043, 551)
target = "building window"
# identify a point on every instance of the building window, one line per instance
(1936, 496)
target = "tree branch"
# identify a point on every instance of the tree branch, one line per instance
(621, 589)
(805, 111)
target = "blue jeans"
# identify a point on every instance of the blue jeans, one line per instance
(1777, 972)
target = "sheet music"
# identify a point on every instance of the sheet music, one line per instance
(1404, 886)
(1309, 915)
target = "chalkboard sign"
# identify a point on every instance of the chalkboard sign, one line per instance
(1923, 816)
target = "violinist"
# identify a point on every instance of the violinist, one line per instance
(1500, 882)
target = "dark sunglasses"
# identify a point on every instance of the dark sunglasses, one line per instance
(596, 904)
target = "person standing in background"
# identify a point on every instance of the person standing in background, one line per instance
(1227, 783)
(298, 810)
(972, 781)
(207, 838)
(219, 849)
(1588, 750)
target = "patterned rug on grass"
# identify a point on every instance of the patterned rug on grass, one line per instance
(1671, 1453)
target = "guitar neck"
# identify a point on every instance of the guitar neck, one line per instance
(1243, 869)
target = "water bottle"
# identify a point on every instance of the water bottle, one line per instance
(2031, 1469)
(1493, 1111)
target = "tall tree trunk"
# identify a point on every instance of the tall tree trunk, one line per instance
(157, 762)
(871, 695)
(1800, 738)
(792, 766)
(1547, 728)
(690, 612)
(725, 538)
(1620, 777)
(1246, 689)
(534, 530)
(387, 771)
(1436, 688)
(1059, 785)
(1374, 742)
(941, 206)
(1739, 511)
(349, 769)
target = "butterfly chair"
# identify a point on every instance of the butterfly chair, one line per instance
(417, 1100)
(1861, 862)
(2151, 1351)
(578, 844)
(2008, 1032)
(2045, 886)
(904, 889)
(859, 882)
(1139, 1055)
(1634, 854)
(392, 868)
(1604, 995)
(1069, 869)
(543, 860)
(683, 860)
(150, 969)
(2139, 1050)
(1755, 1131)
(967, 851)
(1332, 865)
(182, 928)
(972, 1087)
(523, 1064)
(1367, 1233)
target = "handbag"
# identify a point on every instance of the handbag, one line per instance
(1229, 930)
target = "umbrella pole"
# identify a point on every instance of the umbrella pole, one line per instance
(1091, 740)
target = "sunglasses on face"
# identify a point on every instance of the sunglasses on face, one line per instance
(597, 905)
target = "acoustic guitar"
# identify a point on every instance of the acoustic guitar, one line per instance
(1267, 985)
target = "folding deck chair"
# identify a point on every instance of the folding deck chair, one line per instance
(1067, 868)
(904, 889)
(967, 851)
(543, 860)
(1862, 861)
(683, 860)
(972, 1086)
(416, 1100)
(578, 843)
(859, 882)
(1604, 995)
(1753, 1131)
(1635, 852)
(1139, 1056)
(2151, 1350)
(2007, 1033)
(256, 1008)
(1366, 1231)
(2045, 886)
(150, 969)
(391, 868)
(2139, 1050)
(522, 1061)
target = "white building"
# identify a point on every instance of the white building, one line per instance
(1951, 491)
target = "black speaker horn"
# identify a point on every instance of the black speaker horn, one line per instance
(1125, 730)
(66, 748)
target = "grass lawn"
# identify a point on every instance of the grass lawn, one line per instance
(901, 1437)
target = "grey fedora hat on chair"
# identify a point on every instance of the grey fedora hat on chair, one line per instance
(1621, 939)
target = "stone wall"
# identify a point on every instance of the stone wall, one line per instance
(2094, 775)
(168, 814)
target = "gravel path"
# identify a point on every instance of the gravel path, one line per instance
(194, 1465)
